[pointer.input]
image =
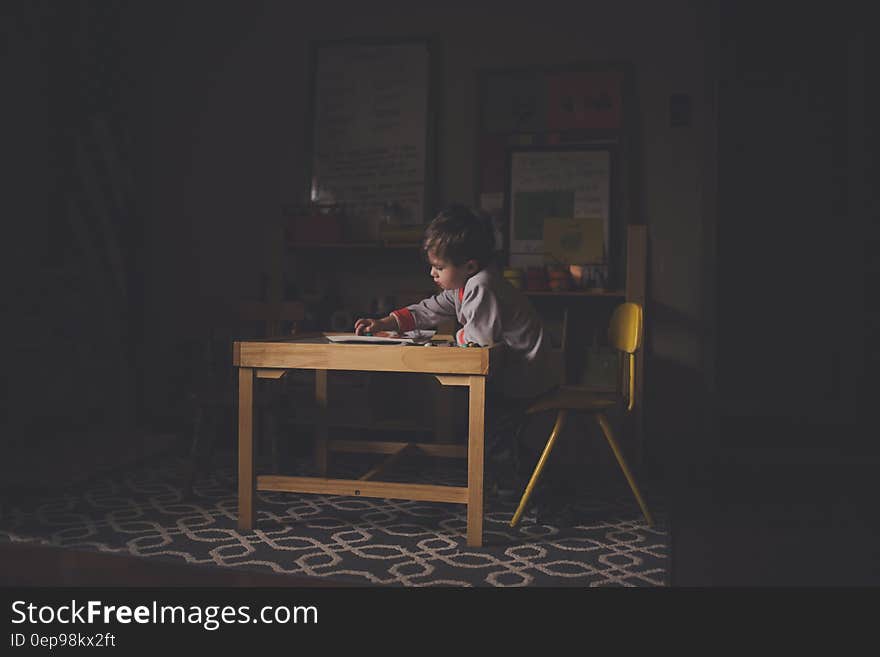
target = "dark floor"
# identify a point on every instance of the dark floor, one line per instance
(38, 465)
(775, 525)
(741, 527)
(732, 525)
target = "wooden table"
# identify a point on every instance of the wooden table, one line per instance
(452, 366)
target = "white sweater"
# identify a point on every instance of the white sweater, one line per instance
(492, 311)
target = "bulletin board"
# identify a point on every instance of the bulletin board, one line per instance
(565, 186)
(580, 106)
(372, 128)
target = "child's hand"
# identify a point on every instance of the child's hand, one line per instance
(364, 325)
(374, 326)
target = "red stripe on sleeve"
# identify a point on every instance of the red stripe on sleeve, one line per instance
(405, 319)
(459, 337)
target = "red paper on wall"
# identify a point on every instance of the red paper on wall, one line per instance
(578, 100)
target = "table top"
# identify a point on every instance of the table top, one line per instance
(315, 351)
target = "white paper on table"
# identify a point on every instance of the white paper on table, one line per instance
(392, 337)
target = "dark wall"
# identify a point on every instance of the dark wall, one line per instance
(791, 270)
(25, 138)
(222, 106)
(75, 287)
(785, 497)
(213, 100)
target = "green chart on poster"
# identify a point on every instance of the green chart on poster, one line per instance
(546, 183)
(534, 207)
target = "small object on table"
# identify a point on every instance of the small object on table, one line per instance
(514, 276)
(536, 278)
(560, 278)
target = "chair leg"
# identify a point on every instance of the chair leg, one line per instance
(557, 429)
(609, 435)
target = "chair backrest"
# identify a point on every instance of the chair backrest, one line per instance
(625, 335)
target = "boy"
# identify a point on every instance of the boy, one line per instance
(459, 245)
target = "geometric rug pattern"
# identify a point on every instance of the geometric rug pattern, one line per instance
(351, 540)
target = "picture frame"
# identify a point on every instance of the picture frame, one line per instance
(576, 104)
(371, 130)
(557, 183)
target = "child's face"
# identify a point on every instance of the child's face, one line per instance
(449, 276)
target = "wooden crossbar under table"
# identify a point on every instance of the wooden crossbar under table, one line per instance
(452, 366)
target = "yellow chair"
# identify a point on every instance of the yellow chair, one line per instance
(624, 334)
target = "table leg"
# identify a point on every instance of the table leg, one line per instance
(476, 424)
(246, 479)
(321, 424)
(443, 428)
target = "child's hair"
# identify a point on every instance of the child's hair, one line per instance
(459, 234)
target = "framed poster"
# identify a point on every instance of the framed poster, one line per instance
(565, 185)
(372, 128)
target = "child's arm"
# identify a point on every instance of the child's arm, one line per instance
(373, 326)
(427, 313)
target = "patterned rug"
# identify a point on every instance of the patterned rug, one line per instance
(350, 540)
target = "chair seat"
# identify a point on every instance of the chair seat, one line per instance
(574, 399)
